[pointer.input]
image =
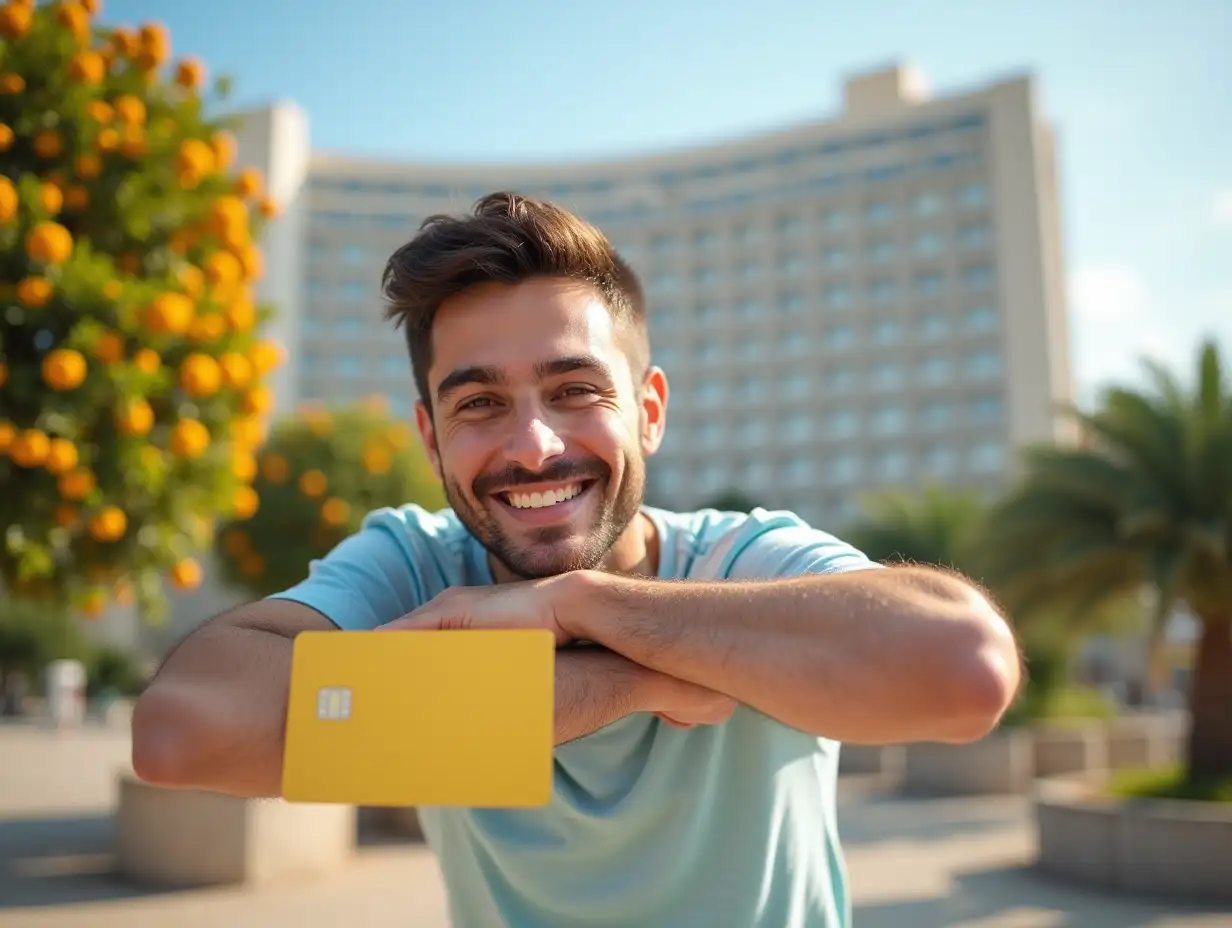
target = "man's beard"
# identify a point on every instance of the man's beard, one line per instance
(551, 549)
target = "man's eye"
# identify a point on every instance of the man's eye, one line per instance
(477, 402)
(577, 391)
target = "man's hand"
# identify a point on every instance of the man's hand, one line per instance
(684, 704)
(529, 604)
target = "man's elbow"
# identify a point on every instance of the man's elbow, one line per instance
(160, 738)
(986, 677)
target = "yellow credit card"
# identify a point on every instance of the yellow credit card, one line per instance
(421, 718)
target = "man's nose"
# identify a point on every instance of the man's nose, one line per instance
(533, 443)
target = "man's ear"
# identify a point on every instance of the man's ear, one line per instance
(427, 434)
(654, 409)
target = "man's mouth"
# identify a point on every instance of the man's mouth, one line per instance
(544, 496)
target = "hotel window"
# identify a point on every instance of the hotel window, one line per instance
(987, 457)
(844, 469)
(792, 303)
(841, 424)
(754, 433)
(927, 204)
(705, 276)
(973, 195)
(839, 337)
(759, 475)
(892, 465)
(709, 393)
(710, 478)
(663, 282)
(706, 312)
(748, 235)
(886, 375)
(882, 252)
(353, 290)
(754, 389)
(889, 420)
(974, 236)
(669, 480)
(935, 370)
(354, 254)
(350, 326)
(348, 365)
(835, 220)
(706, 239)
(835, 258)
(886, 331)
(936, 415)
(838, 297)
(980, 319)
(792, 265)
(751, 349)
(310, 325)
(793, 343)
(798, 428)
(986, 409)
(940, 460)
(983, 365)
(928, 285)
(790, 225)
(707, 351)
(929, 244)
(883, 290)
(977, 276)
(668, 354)
(709, 435)
(663, 318)
(879, 211)
(394, 367)
(748, 272)
(797, 385)
(840, 380)
(801, 471)
(933, 327)
(748, 310)
(662, 244)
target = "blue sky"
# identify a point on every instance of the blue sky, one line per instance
(1139, 92)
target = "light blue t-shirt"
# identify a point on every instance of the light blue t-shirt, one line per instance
(649, 825)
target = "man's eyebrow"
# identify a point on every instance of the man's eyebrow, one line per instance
(567, 365)
(485, 375)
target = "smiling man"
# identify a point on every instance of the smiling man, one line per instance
(711, 663)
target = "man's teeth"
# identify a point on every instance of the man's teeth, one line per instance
(548, 498)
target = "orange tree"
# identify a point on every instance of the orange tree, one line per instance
(320, 473)
(131, 395)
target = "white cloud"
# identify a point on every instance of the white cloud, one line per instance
(1221, 209)
(1109, 291)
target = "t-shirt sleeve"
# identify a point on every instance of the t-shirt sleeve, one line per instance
(366, 581)
(780, 544)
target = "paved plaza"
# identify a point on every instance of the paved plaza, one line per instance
(915, 863)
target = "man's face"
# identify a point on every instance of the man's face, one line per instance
(539, 431)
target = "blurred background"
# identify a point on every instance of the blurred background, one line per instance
(951, 284)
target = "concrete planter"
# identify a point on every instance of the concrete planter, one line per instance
(1146, 741)
(1074, 748)
(183, 838)
(1159, 847)
(863, 759)
(1001, 763)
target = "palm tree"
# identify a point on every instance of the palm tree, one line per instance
(936, 526)
(1144, 503)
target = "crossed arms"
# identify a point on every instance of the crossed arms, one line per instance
(871, 656)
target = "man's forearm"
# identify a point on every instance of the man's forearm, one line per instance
(215, 716)
(594, 688)
(875, 656)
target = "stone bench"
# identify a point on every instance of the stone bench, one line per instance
(183, 838)
(1072, 748)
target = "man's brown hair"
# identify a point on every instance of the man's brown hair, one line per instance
(507, 238)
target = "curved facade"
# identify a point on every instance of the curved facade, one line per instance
(872, 300)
